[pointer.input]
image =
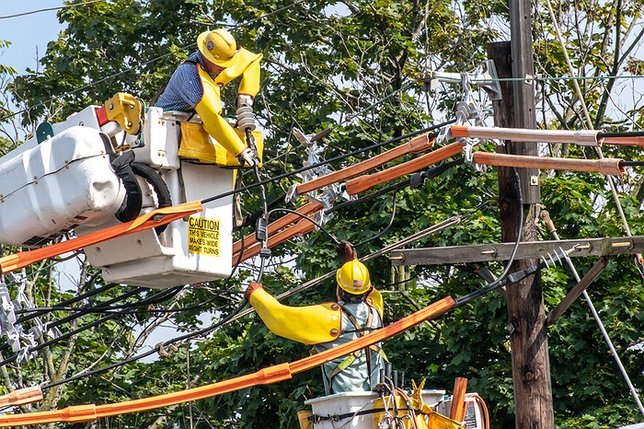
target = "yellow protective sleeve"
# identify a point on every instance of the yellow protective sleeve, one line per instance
(209, 109)
(312, 324)
(376, 301)
(247, 66)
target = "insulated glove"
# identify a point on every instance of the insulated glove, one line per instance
(346, 252)
(249, 157)
(252, 287)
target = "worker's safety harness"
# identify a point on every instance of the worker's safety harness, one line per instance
(360, 330)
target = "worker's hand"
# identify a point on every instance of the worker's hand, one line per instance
(252, 288)
(246, 118)
(249, 157)
(346, 251)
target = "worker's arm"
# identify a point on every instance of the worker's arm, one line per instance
(209, 109)
(249, 84)
(309, 325)
(247, 65)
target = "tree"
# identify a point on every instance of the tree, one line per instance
(351, 68)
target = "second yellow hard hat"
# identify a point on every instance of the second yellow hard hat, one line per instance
(353, 277)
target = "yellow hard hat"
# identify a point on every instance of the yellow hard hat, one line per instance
(353, 277)
(217, 46)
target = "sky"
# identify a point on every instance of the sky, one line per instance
(28, 34)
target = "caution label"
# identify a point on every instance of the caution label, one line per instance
(203, 236)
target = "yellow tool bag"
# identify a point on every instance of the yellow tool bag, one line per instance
(197, 146)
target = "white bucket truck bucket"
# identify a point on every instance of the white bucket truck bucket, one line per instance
(192, 250)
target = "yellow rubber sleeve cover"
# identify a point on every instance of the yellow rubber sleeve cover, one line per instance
(376, 301)
(247, 66)
(309, 325)
(209, 109)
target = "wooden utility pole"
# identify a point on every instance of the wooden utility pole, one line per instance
(528, 330)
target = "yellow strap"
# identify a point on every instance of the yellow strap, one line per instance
(342, 366)
(209, 108)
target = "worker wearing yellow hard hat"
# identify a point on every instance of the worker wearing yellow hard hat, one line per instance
(196, 85)
(358, 310)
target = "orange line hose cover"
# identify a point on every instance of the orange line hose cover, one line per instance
(280, 223)
(149, 220)
(273, 374)
(302, 227)
(606, 166)
(625, 141)
(363, 183)
(416, 145)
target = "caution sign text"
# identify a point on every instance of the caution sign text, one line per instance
(203, 236)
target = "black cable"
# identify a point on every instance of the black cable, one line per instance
(505, 277)
(509, 279)
(603, 135)
(309, 219)
(31, 12)
(228, 319)
(381, 233)
(80, 313)
(148, 353)
(631, 163)
(153, 299)
(138, 67)
(172, 341)
(40, 310)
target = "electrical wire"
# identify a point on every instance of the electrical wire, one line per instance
(382, 232)
(308, 219)
(168, 342)
(158, 347)
(128, 70)
(240, 312)
(31, 12)
(37, 311)
(151, 300)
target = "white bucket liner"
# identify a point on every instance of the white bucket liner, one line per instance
(353, 402)
(56, 185)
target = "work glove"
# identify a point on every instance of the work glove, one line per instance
(249, 157)
(252, 287)
(346, 252)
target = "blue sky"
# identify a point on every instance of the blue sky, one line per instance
(28, 34)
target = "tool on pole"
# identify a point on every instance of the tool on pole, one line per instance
(261, 228)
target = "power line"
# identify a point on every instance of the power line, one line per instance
(161, 296)
(337, 158)
(539, 78)
(31, 12)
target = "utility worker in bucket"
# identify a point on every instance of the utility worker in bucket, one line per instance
(196, 86)
(358, 310)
